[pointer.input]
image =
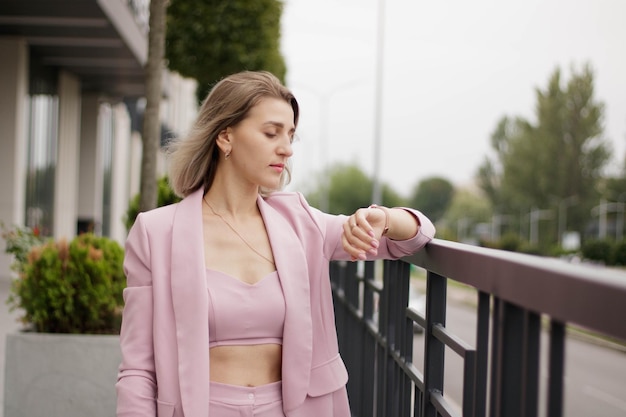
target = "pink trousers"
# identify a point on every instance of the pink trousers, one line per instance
(237, 401)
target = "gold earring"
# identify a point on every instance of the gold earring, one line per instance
(227, 155)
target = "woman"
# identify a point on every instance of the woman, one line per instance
(228, 309)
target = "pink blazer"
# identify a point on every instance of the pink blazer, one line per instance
(165, 330)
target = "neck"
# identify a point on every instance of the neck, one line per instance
(232, 199)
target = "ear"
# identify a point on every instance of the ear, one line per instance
(223, 140)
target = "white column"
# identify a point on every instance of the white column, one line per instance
(120, 172)
(67, 169)
(13, 140)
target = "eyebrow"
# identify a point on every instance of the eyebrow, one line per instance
(280, 125)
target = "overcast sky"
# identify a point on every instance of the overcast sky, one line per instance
(451, 70)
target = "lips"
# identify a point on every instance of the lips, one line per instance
(278, 167)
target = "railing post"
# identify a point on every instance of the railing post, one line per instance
(556, 369)
(516, 362)
(352, 336)
(532, 334)
(479, 408)
(434, 354)
(494, 396)
(508, 362)
(370, 345)
(388, 332)
(396, 284)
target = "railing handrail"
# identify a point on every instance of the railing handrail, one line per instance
(590, 296)
(517, 297)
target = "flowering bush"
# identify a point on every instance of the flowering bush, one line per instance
(71, 287)
(19, 241)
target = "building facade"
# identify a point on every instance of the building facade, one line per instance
(71, 100)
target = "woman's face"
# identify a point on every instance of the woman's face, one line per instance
(262, 143)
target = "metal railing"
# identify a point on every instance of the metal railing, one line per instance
(515, 295)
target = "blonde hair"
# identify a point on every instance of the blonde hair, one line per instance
(193, 159)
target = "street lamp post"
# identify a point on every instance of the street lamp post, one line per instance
(619, 224)
(620, 220)
(602, 210)
(461, 228)
(497, 220)
(378, 103)
(535, 216)
(563, 205)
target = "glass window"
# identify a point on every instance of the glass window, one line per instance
(41, 163)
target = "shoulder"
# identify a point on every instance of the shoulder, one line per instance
(157, 219)
(159, 213)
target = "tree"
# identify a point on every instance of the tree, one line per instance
(205, 40)
(209, 39)
(489, 175)
(349, 189)
(560, 155)
(151, 130)
(614, 186)
(165, 196)
(432, 196)
(467, 209)
(391, 198)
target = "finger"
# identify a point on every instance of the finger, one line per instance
(352, 227)
(349, 239)
(355, 253)
(357, 242)
(350, 224)
(362, 216)
(364, 233)
(355, 235)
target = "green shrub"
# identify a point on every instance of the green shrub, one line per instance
(510, 242)
(530, 249)
(488, 243)
(600, 250)
(165, 196)
(619, 253)
(72, 288)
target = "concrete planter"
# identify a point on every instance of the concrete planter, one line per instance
(60, 375)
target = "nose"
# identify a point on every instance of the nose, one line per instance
(285, 148)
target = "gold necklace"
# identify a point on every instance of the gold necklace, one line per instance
(237, 233)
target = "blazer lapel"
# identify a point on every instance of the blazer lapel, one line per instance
(190, 302)
(292, 269)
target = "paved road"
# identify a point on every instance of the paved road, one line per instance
(595, 375)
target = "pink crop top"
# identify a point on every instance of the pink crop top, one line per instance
(245, 314)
